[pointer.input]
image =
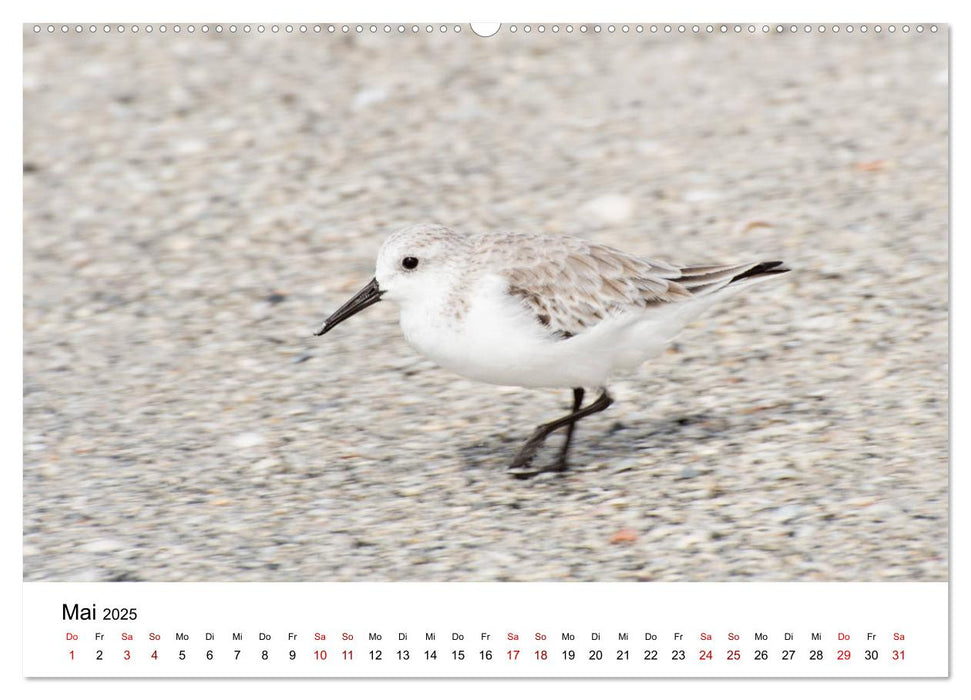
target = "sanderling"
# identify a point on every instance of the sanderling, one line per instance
(539, 310)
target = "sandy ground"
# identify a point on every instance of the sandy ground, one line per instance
(195, 205)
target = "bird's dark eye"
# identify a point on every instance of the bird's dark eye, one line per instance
(409, 263)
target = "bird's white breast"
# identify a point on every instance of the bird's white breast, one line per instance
(490, 336)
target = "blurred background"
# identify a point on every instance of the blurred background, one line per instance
(195, 205)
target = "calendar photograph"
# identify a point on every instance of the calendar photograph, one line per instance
(551, 303)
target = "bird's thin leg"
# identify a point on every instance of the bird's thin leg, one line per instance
(577, 402)
(525, 454)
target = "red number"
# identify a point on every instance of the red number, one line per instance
(704, 655)
(843, 655)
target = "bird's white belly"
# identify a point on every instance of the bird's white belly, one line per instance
(497, 340)
(507, 359)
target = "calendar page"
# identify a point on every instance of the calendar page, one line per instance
(470, 350)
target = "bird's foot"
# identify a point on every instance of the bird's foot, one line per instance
(521, 466)
(524, 458)
(529, 473)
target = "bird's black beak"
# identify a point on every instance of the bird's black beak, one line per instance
(371, 294)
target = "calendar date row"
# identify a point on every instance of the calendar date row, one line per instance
(485, 655)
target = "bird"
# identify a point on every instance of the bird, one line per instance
(540, 310)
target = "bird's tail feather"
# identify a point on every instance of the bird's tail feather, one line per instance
(702, 280)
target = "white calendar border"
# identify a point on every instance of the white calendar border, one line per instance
(11, 276)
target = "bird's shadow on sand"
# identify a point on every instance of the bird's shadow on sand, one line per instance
(619, 442)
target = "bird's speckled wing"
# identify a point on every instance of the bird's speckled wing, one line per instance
(571, 284)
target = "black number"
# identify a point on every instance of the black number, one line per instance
(429, 655)
(596, 655)
(293, 654)
(265, 655)
(458, 655)
(650, 654)
(761, 655)
(815, 654)
(677, 655)
(871, 655)
(788, 654)
(622, 655)
(237, 654)
(209, 655)
(485, 654)
(404, 654)
(181, 654)
(569, 654)
(99, 655)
